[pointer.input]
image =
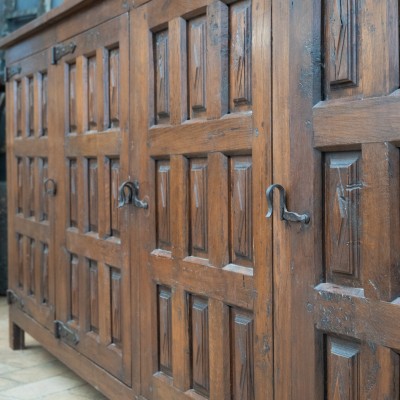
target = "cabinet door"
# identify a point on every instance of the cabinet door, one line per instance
(93, 275)
(201, 110)
(31, 189)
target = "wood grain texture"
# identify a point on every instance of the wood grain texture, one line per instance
(73, 193)
(165, 330)
(343, 370)
(240, 56)
(197, 44)
(31, 267)
(161, 68)
(94, 296)
(200, 345)
(116, 307)
(20, 185)
(114, 212)
(341, 42)
(242, 330)
(163, 205)
(31, 106)
(74, 288)
(43, 196)
(198, 207)
(72, 105)
(93, 194)
(44, 272)
(18, 106)
(241, 211)
(92, 93)
(20, 260)
(31, 184)
(44, 82)
(114, 89)
(343, 188)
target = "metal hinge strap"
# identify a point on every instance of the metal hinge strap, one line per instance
(65, 333)
(61, 50)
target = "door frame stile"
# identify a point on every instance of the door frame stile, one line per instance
(297, 249)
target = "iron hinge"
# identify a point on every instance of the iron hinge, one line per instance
(13, 298)
(59, 51)
(9, 72)
(65, 333)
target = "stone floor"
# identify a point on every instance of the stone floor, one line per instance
(34, 373)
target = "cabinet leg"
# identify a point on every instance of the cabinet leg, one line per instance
(17, 337)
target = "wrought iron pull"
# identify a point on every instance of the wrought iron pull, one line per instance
(50, 187)
(285, 214)
(128, 193)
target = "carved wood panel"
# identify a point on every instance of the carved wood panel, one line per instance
(44, 267)
(43, 198)
(18, 106)
(73, 124)
(92, 93)
(161, 68)
(114, 211)
(116, 307)
(31, 182)
(93, 194)
(73, 193)
(31, 106)
(343, 186)
(43, 129)
(20, 185)
(74, 288)
(94, 296)
(114, 87)
(165, 330)
(163, 205)
(31, 267)
(20, 259)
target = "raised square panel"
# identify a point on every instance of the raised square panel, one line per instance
(342, 197)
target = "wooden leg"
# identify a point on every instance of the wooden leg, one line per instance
(17, 337)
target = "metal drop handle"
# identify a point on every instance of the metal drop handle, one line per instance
(128, 193)
(285, 214)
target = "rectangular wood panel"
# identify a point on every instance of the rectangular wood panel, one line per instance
(114, 211)
(343, 370)
(44, 269)
(43, 104)
(31, 106)
(20, 260)
(197, 45)
(93, 196)
(163, 205)
(198, 208)
(242, 355)
(114, 87)
(20, 185)
(74, 288)
(31, 187)
(116, 304)
(73, 193)
(241, 211)
(18, 106)
(343, 186)
(31, 266)
(43, 197)
(165, 330)
(161, 69)
(92, 93)
(200, 345)
(72, 99)
(94, 296)
(240, 55)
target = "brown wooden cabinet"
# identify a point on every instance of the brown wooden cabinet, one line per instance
(142, 136)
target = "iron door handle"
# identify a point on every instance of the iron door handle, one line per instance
(128, 193)
(50, 187)
(285, 214)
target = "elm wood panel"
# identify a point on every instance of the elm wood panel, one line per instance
(357, 317)
(343, 187)
(43, 203)
(380, 250)
(197, 59)
(32, 147)
(165, 330)
(20, 185)
(114, 211)
(94, 296)
(73, 194)
(91, 372)
(200, 348)
(90, 145)
(341, 42)
(93, 194)
(161, 68)
(114, 87)
(91, 247)
(217, 60)
(181, 363)
(32, 229)
(177, 33)
(233, 133)
(354, 122)
(221, 284)
(163, 201)
(241, 242)
(43, 104)
(116, 307)
(92, 95)
(198, 208)
(74, 288)
(30, 109)
(343, 369)
(218, 211)
(180, 206)
(242, 359)
(379, 372)
(18, 106)
(20, 260)
(72, 98)
(240, 56)
(220, 385)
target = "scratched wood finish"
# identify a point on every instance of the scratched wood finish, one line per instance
(195, 165)
(343, 184)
